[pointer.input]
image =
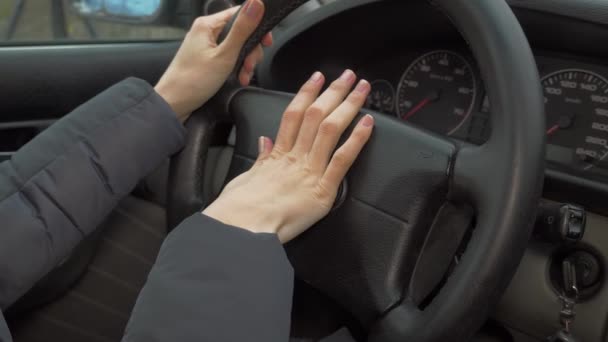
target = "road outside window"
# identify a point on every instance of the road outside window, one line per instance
(32, 22)
(56, 21)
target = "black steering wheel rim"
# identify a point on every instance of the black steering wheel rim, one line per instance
(501, 180)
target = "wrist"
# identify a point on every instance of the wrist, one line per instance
(245, 219)
(164, 90)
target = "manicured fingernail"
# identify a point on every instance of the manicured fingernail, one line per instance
(316, 77)
(363, 86)
(368, 121)
(261, 144)
(253, 8)
(347, 75)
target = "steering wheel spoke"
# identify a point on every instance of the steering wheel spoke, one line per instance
(474, 173)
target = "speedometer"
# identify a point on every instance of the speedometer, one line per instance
(437, 91)
(577, 118)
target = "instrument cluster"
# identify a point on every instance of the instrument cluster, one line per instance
(442, 91)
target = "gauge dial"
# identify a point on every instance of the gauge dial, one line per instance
(437, 92)
(382, 97)
(576, 103)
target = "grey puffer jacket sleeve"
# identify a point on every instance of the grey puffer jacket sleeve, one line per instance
(211, 282)
(5, 335)
(59, 187)
(214, 282)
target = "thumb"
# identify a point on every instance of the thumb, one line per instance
(265, 146)
(245, 24)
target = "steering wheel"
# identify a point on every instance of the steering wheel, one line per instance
(383, 253)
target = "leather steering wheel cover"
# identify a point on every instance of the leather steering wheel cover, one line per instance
(513, 168)
(185, 193)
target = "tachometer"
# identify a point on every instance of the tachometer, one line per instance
(437, 91)
(577, 118)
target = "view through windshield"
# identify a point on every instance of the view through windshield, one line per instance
(44, 21)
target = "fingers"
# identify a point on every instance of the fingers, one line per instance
(245, 24)
(321, 108)
(212, 25)
(294, 114)
(345, 156)
(267, 40)
(251, 61)
(222, 17)
(332, 128)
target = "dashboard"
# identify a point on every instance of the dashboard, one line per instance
(424, 74)
(441, 90)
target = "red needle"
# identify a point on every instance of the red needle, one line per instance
(417, 108)
(552, 130)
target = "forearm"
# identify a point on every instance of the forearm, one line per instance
(59, 187)
(213, 282)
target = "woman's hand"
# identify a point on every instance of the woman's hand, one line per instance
(294, 183)
(201, 66)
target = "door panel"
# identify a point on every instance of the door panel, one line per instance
(47, 82)
(13, 135)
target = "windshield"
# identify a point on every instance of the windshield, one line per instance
(61, 21)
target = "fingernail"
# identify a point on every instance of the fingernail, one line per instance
(363, 86)
(261, 145)
(253, 8)
(316, 77)
(347, 75)
(368, 121)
